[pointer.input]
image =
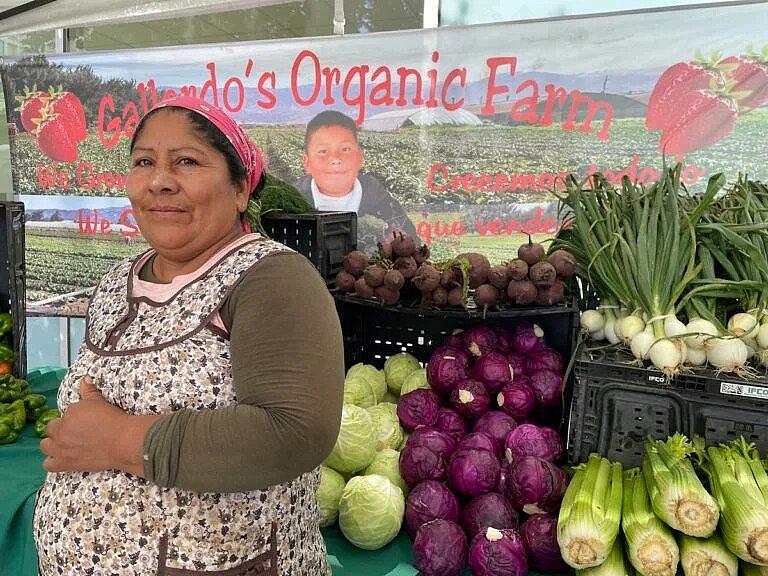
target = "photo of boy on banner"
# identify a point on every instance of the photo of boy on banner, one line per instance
(333, 160)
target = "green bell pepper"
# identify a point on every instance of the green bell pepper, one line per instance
(43, 420)
(35, 405)
(14, 415)
(7, 434)
(6, 353)
(13, 389)
(6, 323)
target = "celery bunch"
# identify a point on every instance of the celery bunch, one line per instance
(707, 557)
(651, 547)
(590, 513)
(614, 565)
(677, 495)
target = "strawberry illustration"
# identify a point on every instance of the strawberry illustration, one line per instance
(70, 108)
(30, 108)
(674, 84)
(704, 117)
(750, 73)
(55, 139)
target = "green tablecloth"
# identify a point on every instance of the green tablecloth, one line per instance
(21, 474)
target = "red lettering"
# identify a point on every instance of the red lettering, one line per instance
(106, 226)
(332, 77)
(240, 91)
(492, 90)
(359, 100)
(403, 74)
(84, 221)
(440, 169)
(493, 227)
(46, 176)
(131, 118)
(295, 78)
(558, 96)
(577, 98)
(384, 86)
(211, 84)
(124, 220)
(461, 74)
(424, 230)
(269, 97)
(114, 126)
(528, 104)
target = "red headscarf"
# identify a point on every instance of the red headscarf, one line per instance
(249, 153)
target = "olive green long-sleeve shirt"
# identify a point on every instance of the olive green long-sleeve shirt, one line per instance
(288, 373)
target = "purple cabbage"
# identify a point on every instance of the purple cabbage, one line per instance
(477, 441)
(480, 339)
(517, 399)
(490, 510)
(418, 408)
(470, 399)
(439, 442)
(533, 440)
(504, 340)
(440, 549)
(535, 485)
(428, 501)
(447, 367)
(539, 535)
(455, 340)
(497, 425)
(451, 422)
(517, 361)
(545, 359)
(501, 488)
(526, 336)
(419, 463)
(547, 386)
(473, 472)
(494, 370)
(498, 553)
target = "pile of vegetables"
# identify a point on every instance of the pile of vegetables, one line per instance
(19, 407)
(276, 196)
(681, 279)
(400, 271)
(6, 343)
(485, 485)
(662, 516)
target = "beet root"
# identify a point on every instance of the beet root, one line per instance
(345, 282)
(394, 280)
(374, 276)
(522, 292)
(563, 262)
(387, 296)
(355, 263)
(362, 288)
(542, 273)
(486, 296)
(531, 252)
(427, 278)
(517, 269)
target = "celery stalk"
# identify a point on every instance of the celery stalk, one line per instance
(707, 557)
(651, 547)
(590, 513)
(748, 569)
(615, 564)
(677, 495)
(744, 513)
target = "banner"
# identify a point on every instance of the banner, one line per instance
(465, 134)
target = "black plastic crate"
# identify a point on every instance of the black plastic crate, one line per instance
(373, 332)
(616, 406)
(13, 279)
(323, 237)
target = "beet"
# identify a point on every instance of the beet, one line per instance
(542, 273)
(549, 294)
(355, 263)
(362, 288)
(449, 278)
(403, 245)
(421, 255)
(479, 268)
(345, 282)
(563, 262)
(406, 265)
(394, 280)
(374, 276)
(517, 269)
(486, 296)
(386, 295)
(530, 252)
(440, 297)
(522, 292)
(427, 278)
(456, 297)
(498, 277)
(385, 250)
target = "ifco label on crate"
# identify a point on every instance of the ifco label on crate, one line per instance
(744, 390)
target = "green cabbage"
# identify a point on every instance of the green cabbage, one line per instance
(371, 511)
(415, 380)
(397, 368)
(356, 443)
(387, 463)
(373, 375)
(359, 391)
(389, 398)
(386, 425)
(329, 495)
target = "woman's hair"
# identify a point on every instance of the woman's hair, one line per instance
(216, 138)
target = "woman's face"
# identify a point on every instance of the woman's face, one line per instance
(179, 187)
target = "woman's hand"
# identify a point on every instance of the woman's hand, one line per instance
(94, 435)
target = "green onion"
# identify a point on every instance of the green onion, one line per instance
(651, 547)
(677, 495)
(590, 513)
(707, 557)
(738, 480)
(615, 564)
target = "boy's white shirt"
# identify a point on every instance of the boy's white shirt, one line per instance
(348, 203)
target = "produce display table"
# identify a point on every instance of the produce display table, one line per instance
(21, 474)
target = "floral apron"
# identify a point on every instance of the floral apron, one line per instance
(152, 358)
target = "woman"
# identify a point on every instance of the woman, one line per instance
(209, 386)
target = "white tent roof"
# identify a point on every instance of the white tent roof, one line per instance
(389, 121)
